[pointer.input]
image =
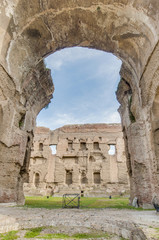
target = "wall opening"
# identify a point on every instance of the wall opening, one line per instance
(41, 147)
(53, 148)
(74, 103)
(112, 149)
(70, 145)
(82, 193)
(84, 179)
(68, 177)
(96, 146)
(83, 77)
(96, 177)
(22, 120)
(36, 179)
(83, 146)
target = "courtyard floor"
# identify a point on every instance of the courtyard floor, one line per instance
(124, 223)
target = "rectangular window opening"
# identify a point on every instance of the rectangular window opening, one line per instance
(68, 177)
(96, 146)
(70, 145)
(53, 148)
(112, 149)
(96, 176)
(83, 145)
(41, 147)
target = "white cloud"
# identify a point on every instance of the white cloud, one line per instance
(60, 119)
(56, 65)
(113, 118)
(59, 58)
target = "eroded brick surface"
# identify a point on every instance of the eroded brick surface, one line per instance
(90, 160)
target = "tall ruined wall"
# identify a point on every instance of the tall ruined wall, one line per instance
(83, 162)
(30, 30)
(18, 114)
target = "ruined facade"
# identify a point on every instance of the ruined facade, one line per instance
(90, 160)
(30, 30)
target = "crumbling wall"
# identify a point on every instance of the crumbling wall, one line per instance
(18, 114)
(82, 163)
(30, 30)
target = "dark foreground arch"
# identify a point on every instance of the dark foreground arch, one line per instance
(30, 30)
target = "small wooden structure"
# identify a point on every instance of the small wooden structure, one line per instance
(71, 201)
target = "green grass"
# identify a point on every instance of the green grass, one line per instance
(90, 235)
(55, 235)
(157, 230)
(33, 232)
(85, 203)
(66, 236)
(43, 202)
(12, 235)
(39, 234)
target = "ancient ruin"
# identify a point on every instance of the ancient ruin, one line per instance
(30, 30)
(90, 160)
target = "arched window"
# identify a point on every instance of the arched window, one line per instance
(37, 179)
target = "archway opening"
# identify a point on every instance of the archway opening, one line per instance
(85, 83)
(43, 28)
(84, 100)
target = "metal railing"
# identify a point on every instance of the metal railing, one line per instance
(71, 201)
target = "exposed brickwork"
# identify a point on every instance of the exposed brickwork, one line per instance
(83, 162)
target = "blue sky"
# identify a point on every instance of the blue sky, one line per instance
(85, 83)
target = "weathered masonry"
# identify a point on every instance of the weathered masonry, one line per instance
(90, 160)
(30, 30)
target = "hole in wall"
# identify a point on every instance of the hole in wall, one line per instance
(41, 147)
(53, 148)
(22, 121)
(112, 149)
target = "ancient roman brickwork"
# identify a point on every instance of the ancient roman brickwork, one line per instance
(30, 30)
(90, 160)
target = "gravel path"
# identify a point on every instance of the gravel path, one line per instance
(129, 224)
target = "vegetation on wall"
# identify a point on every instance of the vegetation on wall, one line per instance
(131, 116)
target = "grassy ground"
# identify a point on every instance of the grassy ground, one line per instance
(51, 233)
(12, 235)
(56, 202)
(58, 233)
(38, 232)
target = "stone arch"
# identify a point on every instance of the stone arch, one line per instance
(32, 30)
(99, 25)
